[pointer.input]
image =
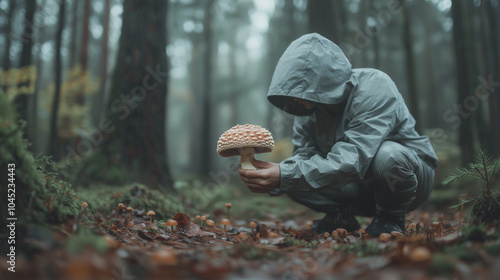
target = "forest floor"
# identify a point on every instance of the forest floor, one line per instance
(96, 245)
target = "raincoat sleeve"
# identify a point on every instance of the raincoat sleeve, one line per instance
(372, 115)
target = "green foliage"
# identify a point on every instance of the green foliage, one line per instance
(464, 252)
(493, 249)
(441, 265)
(483, 169)
(291, 241)
(40, 196)
(85, 239)
(248, 251)
(104, 199)
(361, 249)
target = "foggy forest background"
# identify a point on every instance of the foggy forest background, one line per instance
(119, 91)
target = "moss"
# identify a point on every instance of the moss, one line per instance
(441, 265)
(465, 253)
(474, 233)
(85, 239)
(250, 252)
(493, 249)
(291, 241)
(40, 196)
(104, 199)
(361, 249)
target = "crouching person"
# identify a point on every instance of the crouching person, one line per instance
(356, 151)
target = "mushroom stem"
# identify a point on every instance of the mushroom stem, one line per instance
(246, 155)
(225, 231)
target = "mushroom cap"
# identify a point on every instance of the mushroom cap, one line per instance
(120, 206)
(197, 217)
(171, 223)
(245, 136)
(210, 223)
(361, 231)
(203, 218)
(225, 222)
(384, 237)
(151, 213)
(228, 205)
(130, 209)
(420, 254)
(252, 224)
(84, 204)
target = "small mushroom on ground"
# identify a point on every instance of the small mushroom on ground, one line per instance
(196, 218)
(412, 228)
(84, 205)
(119, 208)
(210, 224)
(225, 222)
(130, 210)
(326, 234)
(420, 254)
(203, 218)
(277, 226)
(253, 225)
(384, 237)
(245, 140)
(362, 233)
(150, 215)
(171, 224)
(228, 206)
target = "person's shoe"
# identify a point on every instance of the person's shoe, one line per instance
(385, 224)
(334, 221)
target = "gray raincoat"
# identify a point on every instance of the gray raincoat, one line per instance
(359, 109)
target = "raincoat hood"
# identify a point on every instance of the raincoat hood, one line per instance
(312, 68)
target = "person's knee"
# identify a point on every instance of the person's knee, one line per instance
(393, 158)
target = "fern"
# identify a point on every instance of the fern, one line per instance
(484, 169)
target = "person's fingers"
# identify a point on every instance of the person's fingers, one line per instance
(259, 163)
(251, 174)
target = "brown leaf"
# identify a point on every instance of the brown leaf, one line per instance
(183, 221)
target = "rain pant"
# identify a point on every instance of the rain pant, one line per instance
(357, 143)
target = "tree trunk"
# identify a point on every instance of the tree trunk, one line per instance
(54, 139)
(21, 101)
(463, 82)
(321, 19)
(137, 106)
(410, 66)
(206, 127)
(8, 38)
(432, 108)
(101, 96)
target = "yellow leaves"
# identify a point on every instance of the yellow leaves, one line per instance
(18, 81)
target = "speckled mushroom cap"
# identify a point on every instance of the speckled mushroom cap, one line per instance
(245, 136)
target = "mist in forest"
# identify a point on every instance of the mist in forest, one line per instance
(151, 85)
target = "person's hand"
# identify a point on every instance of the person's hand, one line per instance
(263, 180)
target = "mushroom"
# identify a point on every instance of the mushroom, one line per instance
(245, 140)
(84, 205)
(203, 218)
(362, 232)
(326, 234)
(384, 237)
(420, 254)
(119, 208)
(150, 214)
(277, 226)
(228, 206)
(131, 210)
(253, 225)
(210, 224)
(171, 224)
(225, 222)
(196, 218)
